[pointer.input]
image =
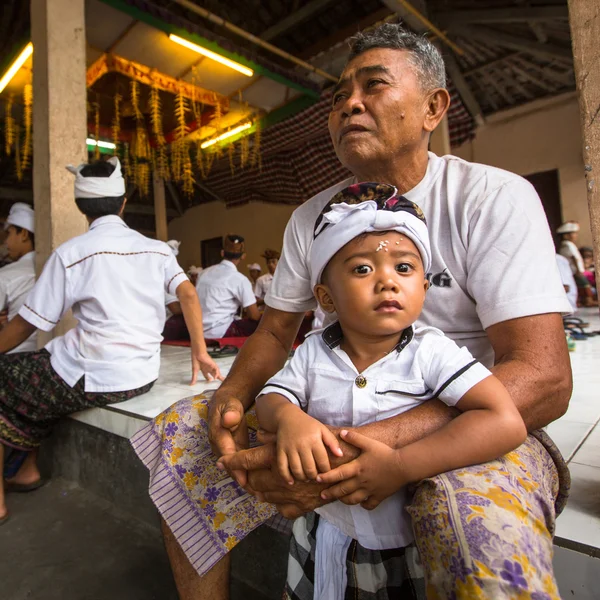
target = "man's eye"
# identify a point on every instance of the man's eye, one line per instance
(374, 82)
(362, 269)
(337, 98)
(404, 268)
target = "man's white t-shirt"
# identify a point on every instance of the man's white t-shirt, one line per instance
(493, 256)
(222, 290)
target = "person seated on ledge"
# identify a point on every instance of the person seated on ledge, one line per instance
(175, 328)
(18, 278)
(115, 280)
(223, 291)
(483, 531)
(368, 263)
(254, 270)
(263, 283)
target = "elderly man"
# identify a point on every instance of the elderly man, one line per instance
(485, 531)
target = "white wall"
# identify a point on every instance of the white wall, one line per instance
(540, 137)
(261, 224)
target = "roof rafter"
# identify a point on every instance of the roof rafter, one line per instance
(514, 14)
(295, 18)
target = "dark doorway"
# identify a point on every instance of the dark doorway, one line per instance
(547, 186)
(210, 251)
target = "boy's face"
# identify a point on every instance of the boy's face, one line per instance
(16, 243)
(272, 265)
(375, 292)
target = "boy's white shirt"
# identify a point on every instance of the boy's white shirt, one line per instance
(323, 381)
(115, 280)
(492, 251)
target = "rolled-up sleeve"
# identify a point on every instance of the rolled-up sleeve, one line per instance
(47, 302)
(174, 275)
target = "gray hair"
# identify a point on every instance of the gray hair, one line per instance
(424, 56)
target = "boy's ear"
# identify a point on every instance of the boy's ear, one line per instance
(427, 284)
(324, 298)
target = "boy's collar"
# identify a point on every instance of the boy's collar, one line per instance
(332, 336)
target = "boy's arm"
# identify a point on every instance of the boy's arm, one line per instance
(192, 313)
(16, 332)
(488, 427)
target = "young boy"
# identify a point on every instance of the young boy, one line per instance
(368, 264)
(18, 278)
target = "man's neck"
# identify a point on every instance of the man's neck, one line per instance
(403, 172)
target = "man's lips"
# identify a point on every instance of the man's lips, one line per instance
(352, 129)
(388, 306)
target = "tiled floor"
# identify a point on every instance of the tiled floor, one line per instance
(577, 433)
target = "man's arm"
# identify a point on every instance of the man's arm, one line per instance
(16, 332)
(263, 355)
(252, 312)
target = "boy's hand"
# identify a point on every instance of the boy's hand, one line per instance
(302, 444)
(202, 361)
(367, 480)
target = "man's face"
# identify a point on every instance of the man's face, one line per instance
(254, 274)
(378, 109)
(15, 242)
(376, 284)
(272, 265)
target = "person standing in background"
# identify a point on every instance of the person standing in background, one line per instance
(569, 233)
(18, 278)
(254, 270)
(264, 283)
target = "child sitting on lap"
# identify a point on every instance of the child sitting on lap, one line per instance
(368, 264)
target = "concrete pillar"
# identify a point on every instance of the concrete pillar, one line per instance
(160, 208)
(439, 143)
(59, 122)
(584, 18)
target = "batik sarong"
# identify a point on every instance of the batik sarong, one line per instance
(482, 532)
(33, 397)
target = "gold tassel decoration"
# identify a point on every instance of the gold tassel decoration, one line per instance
(181, 108)
(187, 174)
(97, 130)
(200, 165)
(134, 90)
(9, 126)
(18, 169)
(244, 151)
(255, 156)
(27, 120)
(231, 155)
(156, 116)
(116, 123)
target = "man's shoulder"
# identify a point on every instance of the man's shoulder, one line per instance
(309, 211)
(476, 178)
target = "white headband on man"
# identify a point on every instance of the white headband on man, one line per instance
(174, 245)
(343, 222)
(99, 187)
(570, 227)
(21, 215)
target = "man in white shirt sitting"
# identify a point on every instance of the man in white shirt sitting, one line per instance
(18, 277)
(114, 279)
(223, 291)
(263, 283)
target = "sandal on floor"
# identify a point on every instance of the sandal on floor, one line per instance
(23, 488)
(4, 520)
(223, 351)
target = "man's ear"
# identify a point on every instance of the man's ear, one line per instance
(324, 298)
(436, 108)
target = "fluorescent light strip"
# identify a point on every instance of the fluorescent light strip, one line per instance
(209, 54)
(19, 62)
(100, 144)
(226, 135)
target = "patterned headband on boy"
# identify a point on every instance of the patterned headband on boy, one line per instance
(112, 186)
(365, 208)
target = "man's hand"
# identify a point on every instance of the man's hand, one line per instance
(367, 480)
(3, 318)
(202, 361)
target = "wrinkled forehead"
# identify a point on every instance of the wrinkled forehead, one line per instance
(395, 61)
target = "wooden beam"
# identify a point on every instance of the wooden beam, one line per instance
(208, 191)
(491, 63)
(514, 14)
(160, 208)
(460, 83)
(585, 33)
(174, 196)
(295, 18)
(536, 81)
(512, 41)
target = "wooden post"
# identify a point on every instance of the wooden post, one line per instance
(160, 208)
(584, 17)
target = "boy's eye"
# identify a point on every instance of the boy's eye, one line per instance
(362, 269)
(404, 268)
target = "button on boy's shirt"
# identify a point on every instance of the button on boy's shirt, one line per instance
(323, 381)
(115, 280)
(222, 290)
(16, 281)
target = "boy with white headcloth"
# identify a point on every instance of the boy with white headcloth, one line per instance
(18, 277)
(368, 265)
(114, 279)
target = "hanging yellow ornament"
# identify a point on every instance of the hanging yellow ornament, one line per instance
(9, 126)
(116, 123)
(27, 119)
(231, 154)
(18, 165)
(97, 130)
(255, 156)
